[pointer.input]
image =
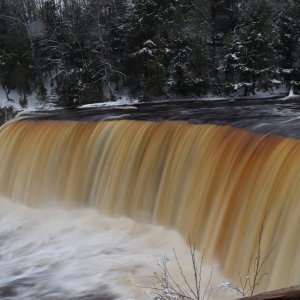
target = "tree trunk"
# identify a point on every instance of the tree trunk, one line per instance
(291, 93)
(253, 85)
(245, 90)
(7, 91)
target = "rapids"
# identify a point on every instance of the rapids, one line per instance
(51, 253)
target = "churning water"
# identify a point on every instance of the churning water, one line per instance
(80, 254)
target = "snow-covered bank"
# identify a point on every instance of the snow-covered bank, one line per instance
(124, 100)
(12, 101)
(15, 102)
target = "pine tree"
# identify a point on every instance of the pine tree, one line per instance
(217, 21)
(288, 47)
(188, 58)
(16, 61)
(95, 50)
(250, 55)
(146, 45)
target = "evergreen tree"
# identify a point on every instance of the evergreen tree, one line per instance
(16, 61)
(92, 50)
(288, 47)
(250, 56)
(188, 68)
(146, 47)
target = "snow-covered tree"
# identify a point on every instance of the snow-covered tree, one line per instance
(97, 49)
(250, 59)
(288, 46)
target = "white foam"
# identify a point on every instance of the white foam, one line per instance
(57, 254)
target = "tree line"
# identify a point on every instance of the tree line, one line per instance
(88, 50)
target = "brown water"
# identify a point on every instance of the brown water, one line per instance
(214, 184)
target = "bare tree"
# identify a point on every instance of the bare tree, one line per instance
(168, 288)
(255, 272)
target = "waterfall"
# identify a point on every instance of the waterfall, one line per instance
(218, 186)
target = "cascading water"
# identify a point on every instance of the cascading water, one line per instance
(218, 185)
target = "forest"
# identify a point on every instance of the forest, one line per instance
(82, 51)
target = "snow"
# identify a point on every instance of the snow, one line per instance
(233, 55)
(211, 97)
(275, 81)
(287, 71)
(282, 90)
(124, 100)
(291, 95)
(150, 43)
(263, 95)
(33, 103)
(144, 51)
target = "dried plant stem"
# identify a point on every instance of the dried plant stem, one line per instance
(167, 288)
(248, 285)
